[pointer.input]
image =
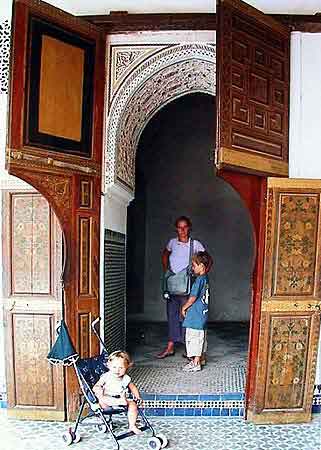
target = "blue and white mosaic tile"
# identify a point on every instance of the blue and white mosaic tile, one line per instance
(183, 434)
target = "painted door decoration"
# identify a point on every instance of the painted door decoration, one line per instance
(33, 265)
(55, 144)
(291, 303)
(252, 91)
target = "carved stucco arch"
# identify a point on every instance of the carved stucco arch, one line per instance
(171, 73)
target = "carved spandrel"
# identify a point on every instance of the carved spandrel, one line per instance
(56, 188)
(297, 236)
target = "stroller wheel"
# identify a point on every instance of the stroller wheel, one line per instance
(102, 428)
(154, 443)
(76, 437)
(163, 439)
(67, 438)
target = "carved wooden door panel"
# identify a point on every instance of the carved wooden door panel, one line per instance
(252, 90)
(291, 302)
(55, 144)
(33, 264)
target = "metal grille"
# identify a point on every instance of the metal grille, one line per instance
(115, 290)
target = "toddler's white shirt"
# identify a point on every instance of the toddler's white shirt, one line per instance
(113, 385)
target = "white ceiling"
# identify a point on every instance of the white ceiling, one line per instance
(180, 6)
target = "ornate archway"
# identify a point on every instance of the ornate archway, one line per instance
(172, 72)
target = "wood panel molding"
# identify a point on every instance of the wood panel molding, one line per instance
(249, 162)
(86, 193)
(85, 252)
(32, 160)
(297, 22)
(84, 335)
(290, 305)
(120, 21)
(117, 22)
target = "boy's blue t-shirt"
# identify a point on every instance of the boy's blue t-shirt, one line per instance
(197, 314)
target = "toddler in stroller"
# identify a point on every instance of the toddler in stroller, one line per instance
(115, 386)
(108, 390)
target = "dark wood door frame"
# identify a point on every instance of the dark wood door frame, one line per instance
(252, 190)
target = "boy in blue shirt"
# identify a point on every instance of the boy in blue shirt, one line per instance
(195, 313)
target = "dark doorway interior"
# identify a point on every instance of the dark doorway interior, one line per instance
(175, 176)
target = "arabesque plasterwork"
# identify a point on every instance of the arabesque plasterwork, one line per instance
(161, 77)
(124, 60)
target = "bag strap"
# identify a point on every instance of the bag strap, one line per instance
(191, 248)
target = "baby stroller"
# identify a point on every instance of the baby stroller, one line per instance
(88, 372)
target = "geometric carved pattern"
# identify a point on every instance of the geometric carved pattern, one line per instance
(297, 234)
(254, 62)
(240, 110)
(288, 348)
(160, 78)
(124, 59)
(5, 31)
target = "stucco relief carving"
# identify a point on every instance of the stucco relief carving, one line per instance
(5, 32)
(124, 59)
(173, 72)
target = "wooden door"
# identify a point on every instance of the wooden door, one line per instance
(252, 138)
(252, 90)
(290, 303)
(33, 305)
(55, 144)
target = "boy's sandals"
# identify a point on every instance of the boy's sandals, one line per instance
(191, 367)
(203, 359)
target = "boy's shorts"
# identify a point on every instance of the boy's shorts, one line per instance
(196, 342)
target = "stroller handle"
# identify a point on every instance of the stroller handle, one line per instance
(93, 324)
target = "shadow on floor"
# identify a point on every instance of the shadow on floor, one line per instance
(224, 371)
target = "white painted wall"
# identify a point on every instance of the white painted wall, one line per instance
(305, 114)
(305, 106)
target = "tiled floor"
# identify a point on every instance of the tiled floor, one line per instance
(224, 372)
(183, 434)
